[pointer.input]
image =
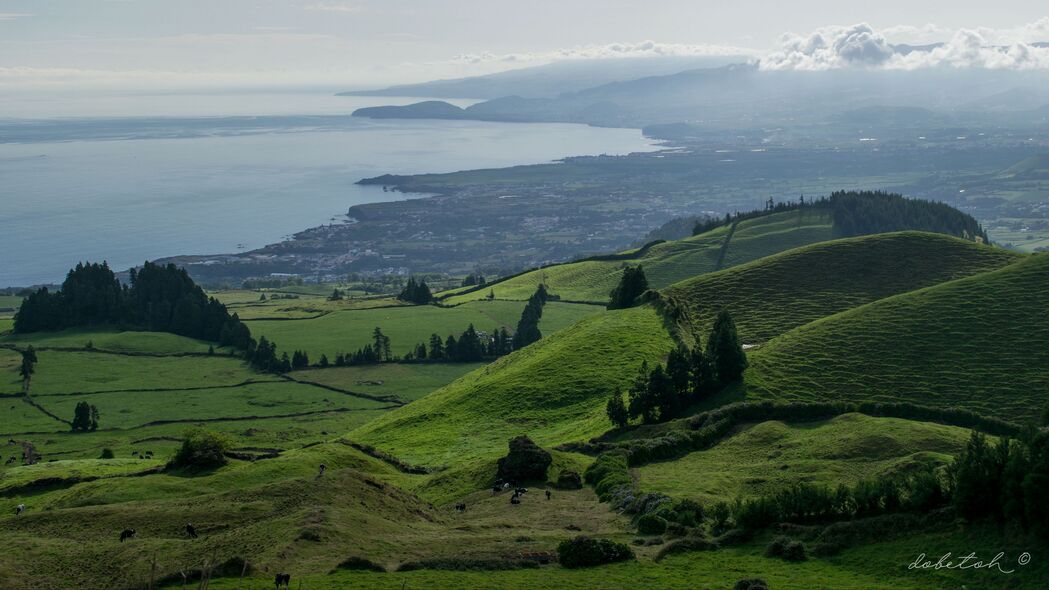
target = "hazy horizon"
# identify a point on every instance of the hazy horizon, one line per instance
(131, 45)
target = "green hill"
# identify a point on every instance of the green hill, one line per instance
(762, 458)
(667, 262)
(554, 391)
(977, 343)
(770, 296)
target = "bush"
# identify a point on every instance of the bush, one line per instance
(202, 449)
(608, 472)
(751, 584)
(569, 480)
(686, 545)
(684, 512)
(107, 454)
(776, 547)
(585, 552)
(794, 551)
(525, 461)
(650, 524)
(355, 563)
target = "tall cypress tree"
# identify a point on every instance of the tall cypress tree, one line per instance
(631, 285)
(726, 352)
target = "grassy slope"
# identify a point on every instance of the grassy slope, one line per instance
(554, 390)
(670, 262)
(772, 455)
(977, 343)
(775, 294)
(406, 326)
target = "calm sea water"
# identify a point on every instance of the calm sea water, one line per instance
(205, 174)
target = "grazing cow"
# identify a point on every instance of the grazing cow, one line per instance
(496, 489)
(191, 531)
(127, 534)
(548, 494)
(460, 507)
(506, 486)
(515, 499)
(520, 491)
(282, 579)
(323, 468)
(19, 509)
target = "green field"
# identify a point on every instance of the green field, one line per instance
(772, 455)
(975, 343)
(775, 294)
(345, 332)
(407, 382)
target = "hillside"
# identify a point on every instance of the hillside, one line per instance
(772, 295)
(668, 262)
(554, 391)
(976, 343)
(1033, 168)
(768, 456)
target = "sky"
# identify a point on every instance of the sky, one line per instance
(349, 44)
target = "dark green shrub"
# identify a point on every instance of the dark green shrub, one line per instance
(466, 564)
(751, 584)
(585, 552)
(107, 454)
(651, 524)
(525, 461)
(608, 472)
(776, 547)
(202, 449)
(686, 545)
(355, 563)
(685, 512)
(794, 551)
(569, 480)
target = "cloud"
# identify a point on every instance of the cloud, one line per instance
(343, 7)
(608, 51)
(861, 46)
(6, 16)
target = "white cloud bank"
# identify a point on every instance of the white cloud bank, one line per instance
(862, 46)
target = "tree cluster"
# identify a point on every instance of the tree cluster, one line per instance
(474, 279)
(159, 298)
(1005, 482)
(631, 285)
(471, 346)
(661, 393)
(919, 491)
(417, 292)
(527, 330)
(85, 417)
(859, 213)
(369, 354)
(202, 449)
(263, 357)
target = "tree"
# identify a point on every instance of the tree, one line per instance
(701, 373)
(525, 462)
(631, 285)
(85, 417)
(528, 326)
(679, 373)
(202, 449)
(640, 404)
(436, 347)
(27, 368)
(726, 352)
(323, 362)
(661, 395)
(380, 344)
(616, 410)
(417, 292)
(336, 295)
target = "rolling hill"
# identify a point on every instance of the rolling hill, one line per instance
(772, 295)
(976, 343)
(667, 262)
(554, 391)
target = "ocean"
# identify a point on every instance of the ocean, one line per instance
(133, 178)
